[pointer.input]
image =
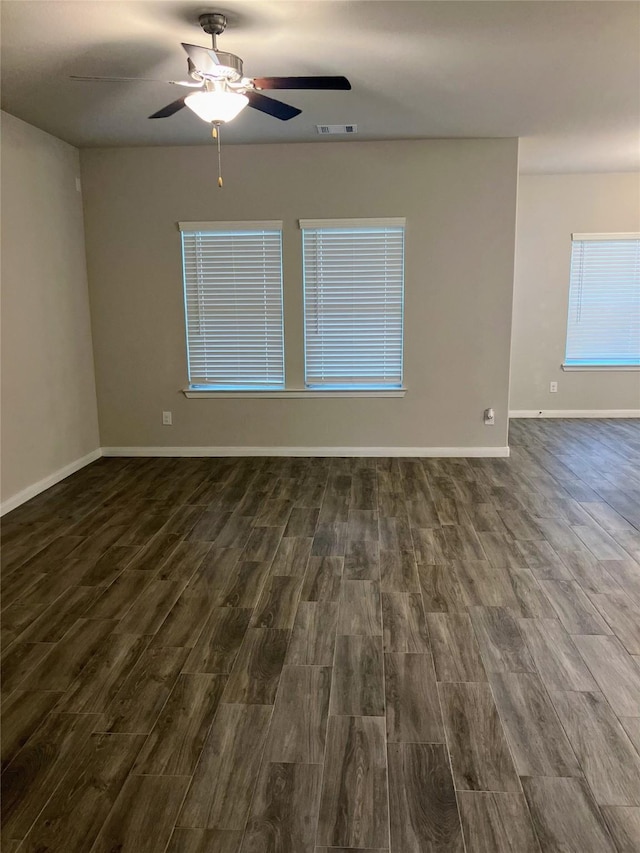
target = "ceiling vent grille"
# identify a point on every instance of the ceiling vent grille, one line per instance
(326, 129)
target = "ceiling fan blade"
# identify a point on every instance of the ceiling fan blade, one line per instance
(170, 109)
(272, 107)
(133, 80)
(334, 83)
(203, 58)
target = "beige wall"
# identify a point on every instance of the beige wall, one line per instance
(550, 209)
(459, 199)
(49, 416)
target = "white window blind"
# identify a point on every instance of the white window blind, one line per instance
(353, 302)
(233, 304)
(604, 300)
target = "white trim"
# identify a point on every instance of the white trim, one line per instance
(621, 235)
(46, 483)
(575, 413)
(568, 368)
(387, 222)
(306, 451)
(257, 225)
(194, 393)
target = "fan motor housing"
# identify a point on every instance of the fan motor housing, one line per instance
(230, 67)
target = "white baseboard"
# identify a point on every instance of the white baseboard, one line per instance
(305, 451)
(46, 483)
(575, 413)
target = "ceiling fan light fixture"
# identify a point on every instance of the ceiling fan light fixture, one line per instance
(216, 106)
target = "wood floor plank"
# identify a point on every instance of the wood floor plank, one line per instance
(441, 591)
(555, 655)
(532, 603)
(141, 697)
(480, 756)
(501, 644)
(362, 525)
(330, 539)
(624, 826)
(610, 763)
(485, 584)
(54, 622)
(150, 610)
(186, 840)
(174, 745)
(22, 712)
(631, 725)
(184, 621)
(223, 782)
(323, 579)
(151, 557)
(17, 662)
(183, 562)
(256, 671)
(591, 574)
(544, 561)
(99, 681)
(358, 685)
(354, 801)
(59, 669)
(143, 816)
(398, 572)
(538, 742)
(404, 627)
(565, 816)
(120, 595)
(455, 650)
(362, 560)
(284, 810)
(422, 800)
(360, 611)
(623, 617)
(617, 674)
(77, 810)
(412, 709)
(499, 823)
(277, 605)
(574, 609)
(244, 585)
(292, 555)
(33, 775)
(219, 642)
(299, 722)
(314, 634)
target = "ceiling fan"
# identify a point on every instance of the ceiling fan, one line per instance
(223, 90)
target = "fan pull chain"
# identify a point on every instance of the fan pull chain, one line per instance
(215, 132)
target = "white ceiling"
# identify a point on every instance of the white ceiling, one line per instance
(562, 75)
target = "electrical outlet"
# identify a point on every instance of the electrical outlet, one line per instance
(553, 387)
(167, 418)
(489, 417)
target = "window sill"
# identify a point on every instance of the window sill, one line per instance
(596, 367)
(193, 393)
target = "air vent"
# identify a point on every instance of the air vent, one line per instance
(326, 129)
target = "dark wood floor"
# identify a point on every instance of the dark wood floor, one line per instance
(318, 655)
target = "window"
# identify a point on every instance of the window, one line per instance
(603, 328)
(353, 302)
(233, 304)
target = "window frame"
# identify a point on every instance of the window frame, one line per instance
(570, 364)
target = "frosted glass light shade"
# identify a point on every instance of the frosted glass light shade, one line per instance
(216, 106)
